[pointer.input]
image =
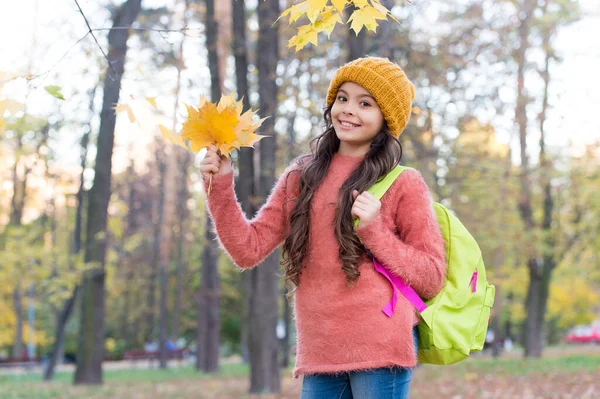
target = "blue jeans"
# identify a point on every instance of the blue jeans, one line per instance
(381, 383)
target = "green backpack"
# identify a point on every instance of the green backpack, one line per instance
(454, 322)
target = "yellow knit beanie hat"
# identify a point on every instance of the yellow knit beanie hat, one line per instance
(386, 81)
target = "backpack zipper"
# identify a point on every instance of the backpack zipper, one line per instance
(473, 282)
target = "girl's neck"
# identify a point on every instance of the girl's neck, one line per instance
(348, 160)
(353, 152)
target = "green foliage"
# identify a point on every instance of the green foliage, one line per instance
(55, 91)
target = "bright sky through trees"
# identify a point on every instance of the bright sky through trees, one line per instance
(574, 89)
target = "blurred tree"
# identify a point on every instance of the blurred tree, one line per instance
(62, 317)
(160, 257)
(481, 187)
(28, 135)
(355, 40)
(207, 356)
(542, 257)
(91, 334)
(263, 302)
(245, 184)
(184, 160)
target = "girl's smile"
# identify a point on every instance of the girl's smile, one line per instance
(348, 125)
(356, 118)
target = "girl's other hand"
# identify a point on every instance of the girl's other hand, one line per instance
(214, 163)
(365, 207)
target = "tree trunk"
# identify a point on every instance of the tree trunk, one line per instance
(540, 271)
(18, 306)
(15, 220)
(536, 303)
(356, 43)
(496, 314)
(263, 303)
(245, 187)
(182, 194)
(126, 327)
(67, 308)
(162, 263)
(59, 335)
(386, 41)
(521, 116)
(154, 267)
(19, 193)
(207, 356)
(91, 332)
(207, 359)
(531, 338)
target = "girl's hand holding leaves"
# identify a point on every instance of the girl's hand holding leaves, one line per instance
(214, 163)
(220, 128)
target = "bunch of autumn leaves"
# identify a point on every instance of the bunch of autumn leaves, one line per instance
(223, 125)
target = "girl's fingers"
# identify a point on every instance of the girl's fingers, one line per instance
(369, 195)
(359, 207)
(209, 168)
(362, 199)
(360, 213)
(211, 156)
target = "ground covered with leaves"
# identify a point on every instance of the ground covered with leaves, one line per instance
(564, 373)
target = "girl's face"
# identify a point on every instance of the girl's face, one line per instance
(356, 118)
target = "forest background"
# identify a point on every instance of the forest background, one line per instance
(105, 244)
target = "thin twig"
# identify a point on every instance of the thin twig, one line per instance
(147, 29)
(90, 32)
(96, 40)
(30, 78)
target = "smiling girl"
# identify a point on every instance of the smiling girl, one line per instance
(346, 347)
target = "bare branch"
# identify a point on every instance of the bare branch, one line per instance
(30, 78)
(182, 30)
(90, 32)
(94, 36)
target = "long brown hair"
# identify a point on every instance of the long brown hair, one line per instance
(384, 154)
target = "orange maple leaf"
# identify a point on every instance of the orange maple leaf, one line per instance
(222, 125)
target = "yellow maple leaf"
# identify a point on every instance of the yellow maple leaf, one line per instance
(171, 136)
(339, 5)
(323, 18)
(125, 107)
(296, 11)
(361, 3)
(246, 128)
(10, 106)
(222, 125)
(329, 18)
(306, 34)
(152, 101)
(365, 17)
(384, 11)
(315, 7)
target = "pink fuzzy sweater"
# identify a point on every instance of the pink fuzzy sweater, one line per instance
(341, 327)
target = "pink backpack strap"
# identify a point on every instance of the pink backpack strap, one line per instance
(398, 284)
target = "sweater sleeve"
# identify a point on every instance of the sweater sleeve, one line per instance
(416, 252)
(248, 242)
